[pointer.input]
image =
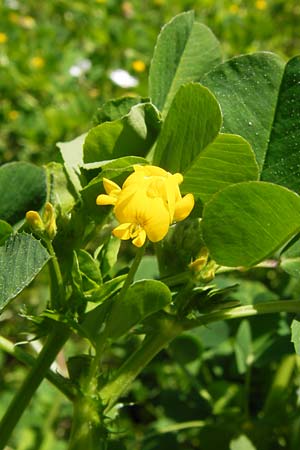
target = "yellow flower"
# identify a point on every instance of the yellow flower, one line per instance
(3, 38)
(147, 204)
(261, 4)
(37, 62)
(138, 66)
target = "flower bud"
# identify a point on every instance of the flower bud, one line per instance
(34, 220)
(49, 218)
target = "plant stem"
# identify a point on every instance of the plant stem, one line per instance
(57, 283)
(132, 271)
(171, 328)
(23, 396)
(292, 306)
(101, 342)
(151, 346)
(26, 358)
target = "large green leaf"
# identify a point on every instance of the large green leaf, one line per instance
(246, 222)
(227, 160)
(185, 50)
(259, 97)
(247, 87)
(22, 188)
(21, 259)
(282, 162)
(133, 134)
(142, 299)
(193, 122)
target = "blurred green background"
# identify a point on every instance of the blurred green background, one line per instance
(56, 63)
(56, 57)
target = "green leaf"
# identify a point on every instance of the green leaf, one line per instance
(134, 134)
(72, 155)
(243, 346)
(282, 161)
(290, 259)
(185, 348)
(105, 291)
(21, 259)
(193, 122)
(247, 88)
(89, 268)
(295, 338)
(246, 222)
(241, 443)
(116, 108)
(184, 52)
(259, 96)
(229, 159)
(22, 188)
(60, 191)
(5, 231)
(142, 299)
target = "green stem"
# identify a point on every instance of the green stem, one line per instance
(23, 396)
(101, 342)
(168, 330)
(57, 283)
(132, 271)
(292, 306)
(151, 346)
(57, 380)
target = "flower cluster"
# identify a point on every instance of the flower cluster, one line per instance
(147, 204)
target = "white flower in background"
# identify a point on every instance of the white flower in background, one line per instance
(123, 79)
(12, 4)
(81, 67)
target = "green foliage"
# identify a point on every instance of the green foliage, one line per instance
(251, 227)
(21, 258)
(22, 187)
(229, 159)
(153, 320)
(185, 50)
(194, 128)
(133, 134)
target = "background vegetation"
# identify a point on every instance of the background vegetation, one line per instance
(212, 385)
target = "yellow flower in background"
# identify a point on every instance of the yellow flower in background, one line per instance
(234, 8)
(13, 17)
(3, 38)
(13, 114)
(261, 5)
(138, 66)
(147, 204)
(37, 62)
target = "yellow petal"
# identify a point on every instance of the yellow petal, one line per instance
(105, 200)
(178, 178)
(139, 241)
(157, 220)
(110, 186)
(123, 231)
(183, 207)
